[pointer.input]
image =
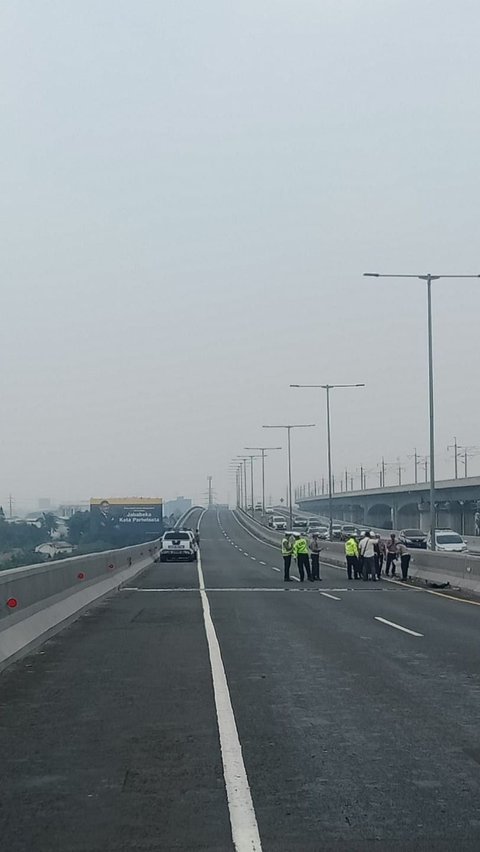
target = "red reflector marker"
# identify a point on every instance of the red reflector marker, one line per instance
(12, 603)
(81, 575)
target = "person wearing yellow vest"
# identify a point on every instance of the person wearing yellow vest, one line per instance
(352, 554)
(287, 552)
(300, 551)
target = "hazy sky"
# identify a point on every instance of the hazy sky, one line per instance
(190, 194)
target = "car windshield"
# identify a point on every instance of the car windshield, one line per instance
(449, 538)
(413, 533)
(176, 536)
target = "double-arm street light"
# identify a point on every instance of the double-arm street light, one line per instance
(328, 388)
(428, 278)
(263, 451)
(289, 428)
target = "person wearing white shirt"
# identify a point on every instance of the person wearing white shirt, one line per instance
(367, 555)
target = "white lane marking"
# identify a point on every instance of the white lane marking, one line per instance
(397, 626)
(332, 597)
(254, 558)
(225, 589)
(275, 569)
(245, 835)
(297, 579)
(255, 536)
(245, 553)
(262, 563)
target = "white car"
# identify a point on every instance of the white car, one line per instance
(269, 510)
(178, 546)
(448, 541)
(279, 523)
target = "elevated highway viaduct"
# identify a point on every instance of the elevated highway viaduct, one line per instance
(403, 506)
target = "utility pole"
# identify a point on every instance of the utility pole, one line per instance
(467, 451)
(210, 492)
(454, 447)
(10, 506)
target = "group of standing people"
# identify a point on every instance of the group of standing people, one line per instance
(366, 557)
(306, 553)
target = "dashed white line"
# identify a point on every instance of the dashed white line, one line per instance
(262, 563)
(332, 597)
(254, 558)
(274, 568)
(397, 626)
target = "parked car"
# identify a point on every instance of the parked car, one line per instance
(413, 538)
(279, 522)
(447, 541)
(348, 530)
(299, 523)
(321, 531)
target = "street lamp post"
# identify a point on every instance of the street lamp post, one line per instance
(243, 461)
(263, 450)
(252, 505)
(428, 278)
(289, 428)
(238, 479)
(328, 388)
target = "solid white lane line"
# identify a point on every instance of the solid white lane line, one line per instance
(245, 835)
(397, 626)
(265, 543)
(332, 597)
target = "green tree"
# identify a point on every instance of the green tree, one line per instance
(49, 523)
(78, 527)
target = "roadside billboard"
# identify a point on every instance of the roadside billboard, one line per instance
(127, 518)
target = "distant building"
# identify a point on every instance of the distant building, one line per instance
(54, 548)
(178, 506)
(66, 510)
(33, 519)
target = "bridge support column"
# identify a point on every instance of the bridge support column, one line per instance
(424, 512)
(393, 515)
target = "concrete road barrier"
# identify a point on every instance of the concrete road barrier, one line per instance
(38, 600)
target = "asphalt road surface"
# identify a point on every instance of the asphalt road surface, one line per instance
(211, 700)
